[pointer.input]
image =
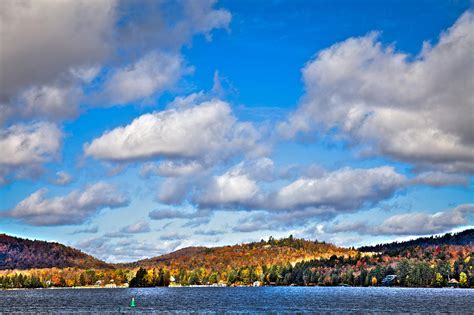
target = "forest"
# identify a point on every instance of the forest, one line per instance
(280, 262)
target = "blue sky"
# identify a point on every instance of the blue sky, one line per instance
(154, 126)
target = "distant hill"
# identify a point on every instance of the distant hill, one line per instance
(261, 253)
(464, 238)
(18, 253)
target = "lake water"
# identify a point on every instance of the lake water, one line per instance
(239, 300)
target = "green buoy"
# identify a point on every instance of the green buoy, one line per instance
(132, 303)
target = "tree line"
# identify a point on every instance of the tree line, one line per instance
(414, 266)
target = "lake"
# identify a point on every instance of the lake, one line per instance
(239, 300)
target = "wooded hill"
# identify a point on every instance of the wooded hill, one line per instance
(287, 261)
(18, 253)
(464, 238)
(271, 252)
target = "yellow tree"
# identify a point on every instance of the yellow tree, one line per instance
(462, 279)
(374, 281)
(438, 279)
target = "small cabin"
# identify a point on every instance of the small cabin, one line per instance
(389, 280)
(453, 283)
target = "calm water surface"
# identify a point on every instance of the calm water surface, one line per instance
(239, 300)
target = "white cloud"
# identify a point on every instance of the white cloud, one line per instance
(207, 131)
(71, 34)
(137, 227)
(237, 187)
(26, 147)
(204, 18)
(44, 69)
(418, 110)
(425, 223)
(49, 101)
(229, 189)
(344, 189)
(175, 190)
(148, 76)
(73, 208)
(25, 144)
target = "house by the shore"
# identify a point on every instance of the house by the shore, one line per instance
(453, 283)
(389, 280)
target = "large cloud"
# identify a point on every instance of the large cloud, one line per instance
(42, 39)
(206, 131)
(425, 223)
(344, 189)
(73, 208)
(418, 110)
(43, 70)
(245, 186)
(26, 147)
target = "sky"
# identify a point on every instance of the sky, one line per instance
(132, 129)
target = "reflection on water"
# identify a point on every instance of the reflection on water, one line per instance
(239, 300)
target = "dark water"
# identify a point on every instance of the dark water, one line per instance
(239, 300)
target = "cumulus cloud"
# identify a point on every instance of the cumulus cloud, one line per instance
(414, 223)
(229, 189)
(206, 131)
(252, 185)
(167, 24)
(73, 208)
(174, 191)
(137, 227)
(25, 144)
(52, 102)
(417, 110)
(71, 34)
(148, 76)
(26, 147)
(44, 70)
(425, 223)
(346, 188)
(256, 186)
(194, 181)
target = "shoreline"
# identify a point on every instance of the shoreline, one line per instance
(243, 286)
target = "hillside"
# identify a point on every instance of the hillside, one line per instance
(18, 253)
(464, 238)
(425, 262)
(263, 253)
